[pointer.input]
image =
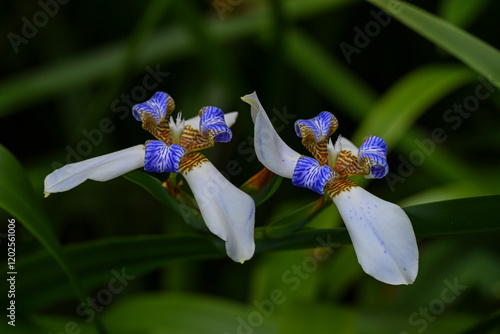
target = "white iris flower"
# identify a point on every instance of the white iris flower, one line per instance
(227, 211)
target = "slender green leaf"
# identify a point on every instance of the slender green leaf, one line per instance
(94, 261)
(475, 53)
(18, 198)
(488, 325)
(180, 313)
(397, 110)
(183, 204)
(455, 217)
(297, 219)
(462, 12)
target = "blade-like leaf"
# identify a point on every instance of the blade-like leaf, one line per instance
(455, 217)
(18, 198)
(297, 219)
(180, 313)
(94, 262)
(475, 53)
(462, 12)
(409, 98)
(485, 326)
(177, 199)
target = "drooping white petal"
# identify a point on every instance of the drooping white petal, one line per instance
(230, 119)
(382, 236)
(271, 150)
(103, 168)
(228, 212)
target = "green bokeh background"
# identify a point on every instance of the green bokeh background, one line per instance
(87, 65)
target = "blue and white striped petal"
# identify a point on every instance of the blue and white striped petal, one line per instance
(229, 118)
(212, 124)
(227, 211)
(103, 168)
(320, 127)
(162, 158)
(270, 149)
(309, 174)
(382, 236)
(156, 108)
(374, 150)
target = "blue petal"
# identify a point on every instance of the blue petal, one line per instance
(375, 150)
(322, 126)
(212, 123)
(309, 174)
(162, 158)
(155, 107)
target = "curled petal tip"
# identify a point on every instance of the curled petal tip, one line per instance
(46, 194)
(213, 125)
(270, 149)
(159, 106)
(319, 128)
(373, 152)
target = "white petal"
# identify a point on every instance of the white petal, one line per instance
(230, 119)
(271, 150)
(103, 168)
(382, 236)
(346, 144)
(228, 212)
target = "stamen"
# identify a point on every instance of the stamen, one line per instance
(333, 152)
(176, 128)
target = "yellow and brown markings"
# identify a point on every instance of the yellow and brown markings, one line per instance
(337, 185)
(192, 140)
(190, 161)
(348, 165)
(317, 149)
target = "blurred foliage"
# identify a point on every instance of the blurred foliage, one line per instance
(425, 78)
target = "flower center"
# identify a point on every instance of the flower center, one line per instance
(176, 128)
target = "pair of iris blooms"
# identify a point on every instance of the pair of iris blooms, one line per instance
(380, 231)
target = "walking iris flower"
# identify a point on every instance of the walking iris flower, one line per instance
(381, 232)
(227, 211)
